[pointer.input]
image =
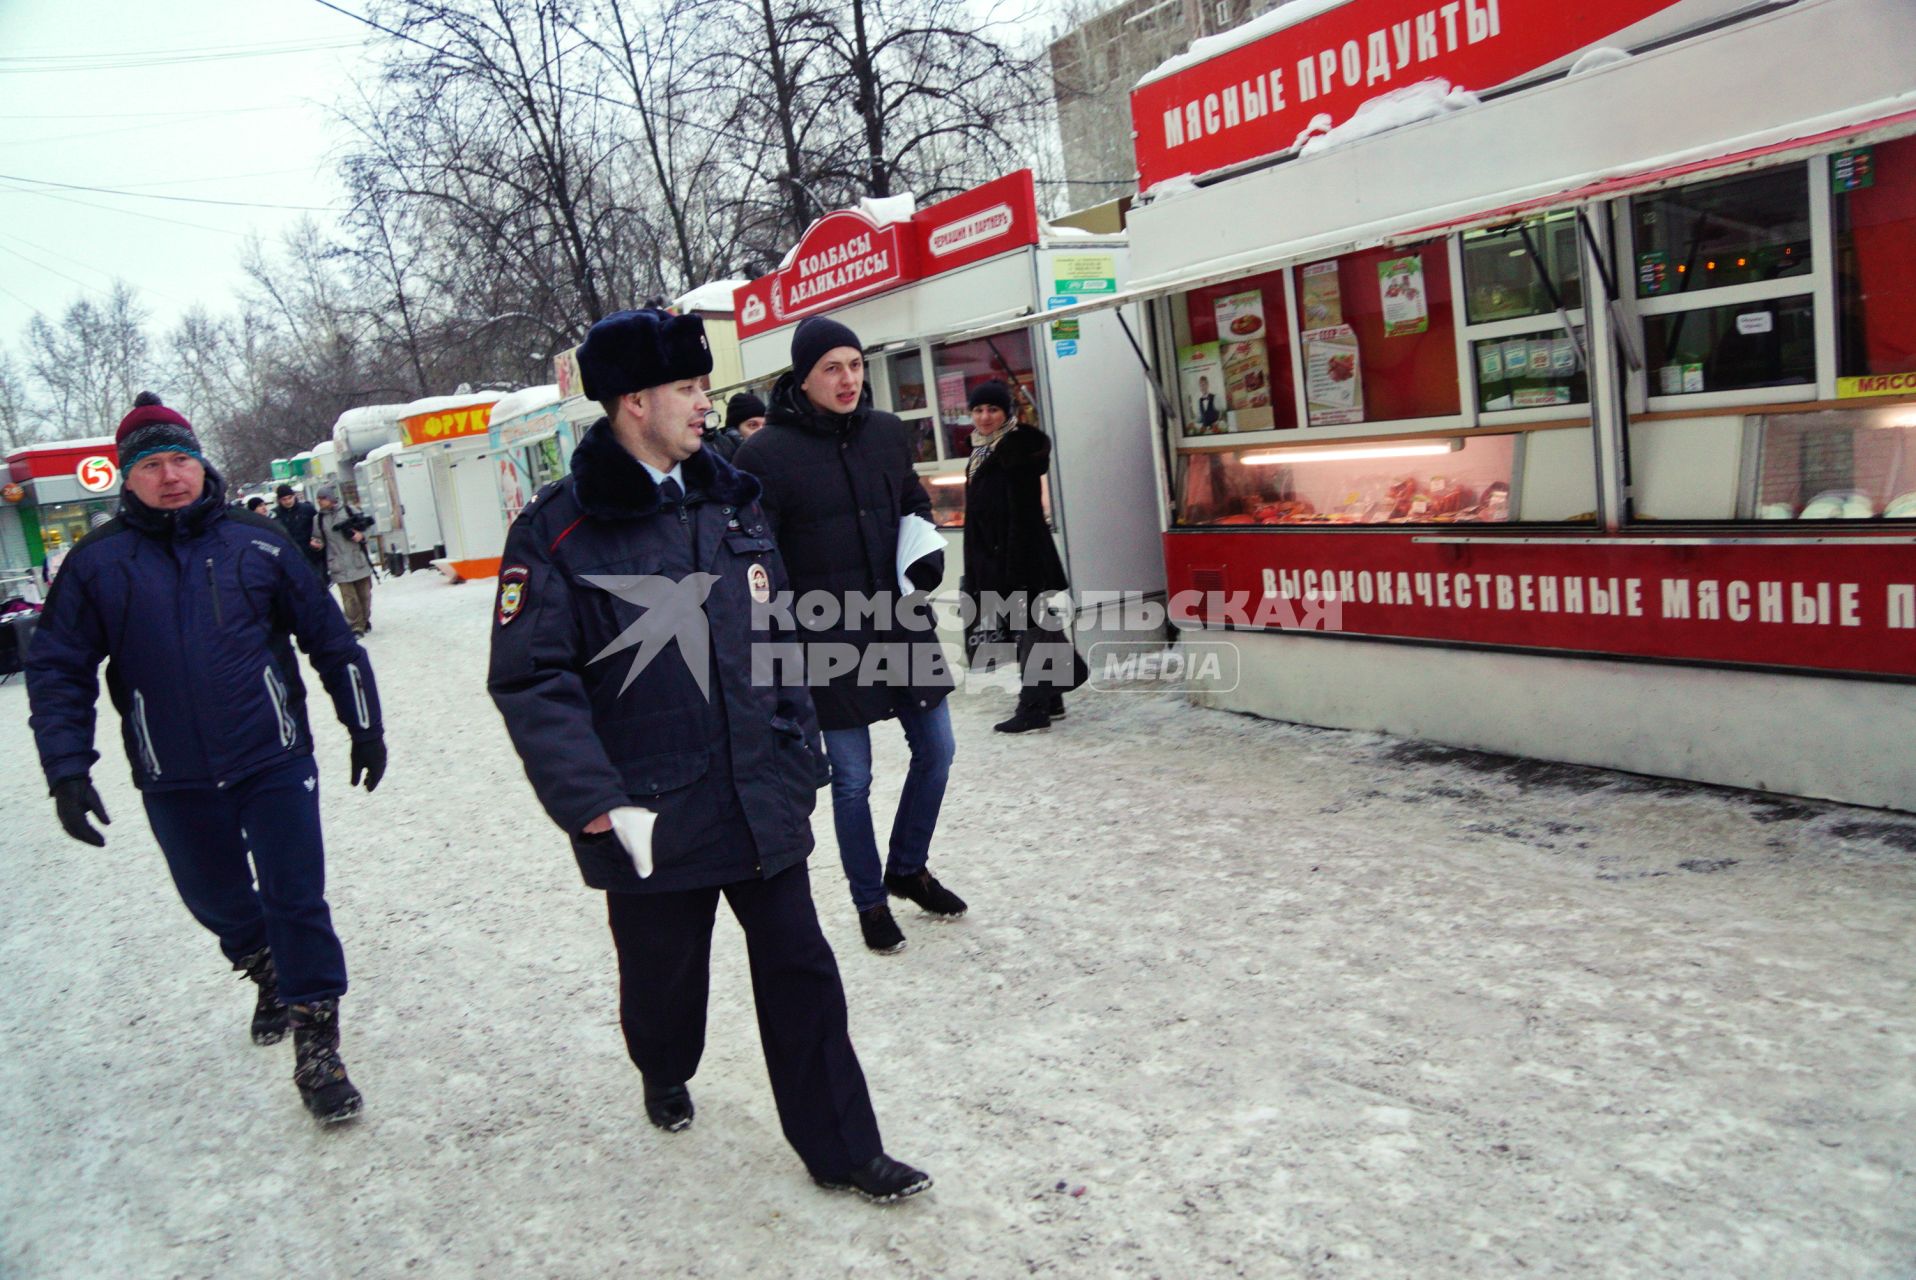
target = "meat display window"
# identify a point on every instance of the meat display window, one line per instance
(1378, 338)
(1234, 357)
(1874, 197)
(1841, 464)
(962, 366)
(947, 499)
(1460, 480)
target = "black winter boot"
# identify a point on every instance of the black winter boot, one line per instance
(317, 1070)
(1024, 720)
(269, 1012)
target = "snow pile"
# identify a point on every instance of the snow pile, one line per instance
(713, 296)
(526, 400)
(888, 209)
(1208, 47)
(1425, 100)
(1598, 58)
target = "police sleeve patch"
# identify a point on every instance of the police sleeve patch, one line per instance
(512, 592)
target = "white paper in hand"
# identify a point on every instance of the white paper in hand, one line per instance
(633, 826)
(917, 538)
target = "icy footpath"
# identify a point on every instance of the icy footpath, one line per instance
(1233, 999)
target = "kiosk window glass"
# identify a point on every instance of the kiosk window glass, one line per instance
(1501, 277)
(908, 382)
(1461, 481)
(1731, 347)
(962, 366)
(1530, 371)
(947, 499)
(1841, 464)
(1875, 218)
(1234, 357)
(1378, 336)
(1732, 231)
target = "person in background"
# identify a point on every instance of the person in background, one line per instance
(194, 607)
(256, 506)
(839, 481)
(744, 415)
(348, 563)
(297, 519)
(1009, 554)
(633, 699)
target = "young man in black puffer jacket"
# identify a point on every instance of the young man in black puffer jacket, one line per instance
(838, 480)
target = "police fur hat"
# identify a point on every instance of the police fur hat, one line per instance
(151, 428)
(632, 350)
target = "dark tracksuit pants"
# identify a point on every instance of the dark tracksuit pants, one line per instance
(207, 834)
(664, 942)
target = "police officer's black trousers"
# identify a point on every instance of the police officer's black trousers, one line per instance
(664, 942)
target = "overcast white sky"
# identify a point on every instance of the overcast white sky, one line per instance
(149, 97)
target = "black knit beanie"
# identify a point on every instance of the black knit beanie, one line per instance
(992, 393)
(815, 336)
(742, 406)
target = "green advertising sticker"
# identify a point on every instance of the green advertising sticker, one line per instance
(1085, 273)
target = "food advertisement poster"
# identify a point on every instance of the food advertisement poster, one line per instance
(1323, 302)
(1247, 366)
(1201, 378)
(1402, 283)
(1333, 377)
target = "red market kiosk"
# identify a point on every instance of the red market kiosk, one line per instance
(52, 496)
(1574, 419)
(907, 286)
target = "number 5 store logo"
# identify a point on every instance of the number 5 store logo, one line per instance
(96, 473)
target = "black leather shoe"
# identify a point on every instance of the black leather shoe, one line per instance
(1024, 722)
(1055, 708)
(882, 933)
(669, 1107)
(883, 1181)
(923, 888)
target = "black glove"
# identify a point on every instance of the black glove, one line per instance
(927, 571)
(369, 757)
(74, 798)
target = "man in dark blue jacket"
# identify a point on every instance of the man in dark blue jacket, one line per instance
(639, 680)
(193, 606)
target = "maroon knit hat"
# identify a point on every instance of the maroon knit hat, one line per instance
(153, 428)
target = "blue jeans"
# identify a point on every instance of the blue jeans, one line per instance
(207, 836)
(850, 754)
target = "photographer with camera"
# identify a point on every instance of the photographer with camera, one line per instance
(349, 562)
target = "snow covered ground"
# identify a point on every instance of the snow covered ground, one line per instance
(1234, 999)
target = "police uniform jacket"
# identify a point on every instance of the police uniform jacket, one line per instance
(595, 641)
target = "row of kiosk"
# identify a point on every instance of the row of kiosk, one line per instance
(1522, 378)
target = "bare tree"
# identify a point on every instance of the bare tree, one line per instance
(92, 364)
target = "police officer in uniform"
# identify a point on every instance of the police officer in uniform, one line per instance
(623, 662)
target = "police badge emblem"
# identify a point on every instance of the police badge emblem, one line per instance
(760, 582)
(512, 592)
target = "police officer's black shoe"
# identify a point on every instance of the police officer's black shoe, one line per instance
(923, 888)
(882, 933)
(669, 1106)
(883, 1181)
(317, 1070)
(270, 1015)
(1024, 721)
(1055, 707)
